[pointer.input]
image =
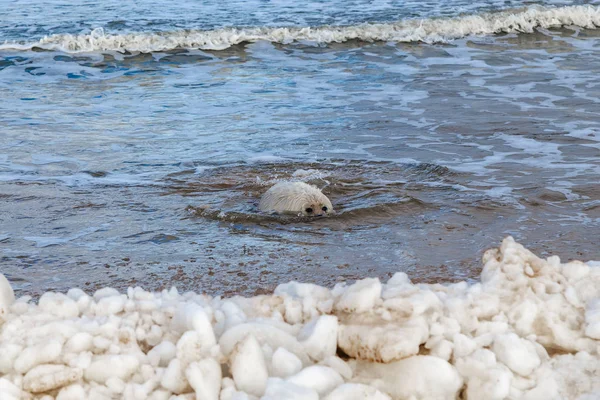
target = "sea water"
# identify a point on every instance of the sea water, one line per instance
(136, 139)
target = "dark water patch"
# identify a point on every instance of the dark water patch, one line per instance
(183, 57)
(542, 196)
(587, 190)
(89, 205)
(430, 170)
(33, 71)
(163, 238)
(592, 206)
(6, 62)
(96, 174)
(137, 235)
(245, 217)
(200, 85)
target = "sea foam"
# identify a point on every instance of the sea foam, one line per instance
(530, 329)
(431, 30)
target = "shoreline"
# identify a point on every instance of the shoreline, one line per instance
(529, 328)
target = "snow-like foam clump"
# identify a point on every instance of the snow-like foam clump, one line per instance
(530, 329)
(432, 30)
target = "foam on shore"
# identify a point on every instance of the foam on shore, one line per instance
(530, 329)
(430, 30)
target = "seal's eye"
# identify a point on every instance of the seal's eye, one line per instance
(324, 208)
(309, 210)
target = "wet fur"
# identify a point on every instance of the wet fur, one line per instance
(295, 198)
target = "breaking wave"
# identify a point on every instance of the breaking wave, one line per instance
(432, 30)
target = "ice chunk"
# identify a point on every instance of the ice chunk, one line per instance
(319, 337)
(76, 294)
(399, 285)
(576, 376)
(174, 378)
(265, 334)
(339, 365)
(418, 377)
(233, 314)
(9, 391)
(378, 340)
(284, 363)
(7, 296)
(72, 392)
(320, 378)
(463, 345)
(227, 389)
(439, 347)
(79, 342)
(485, 378)
(424, 301)
(518, 354)
(303, 290)
(248, 367)
(229, 392)
(49, 377)
(109, 305)
(523, 315)
(82, 360)
(205, 378)
(592, 319)
(492, 384)
(34, 355)
(162, 354)
(192, 347)
(105, 367)
(9, 352)
(356, 391)
(304, 300)
(575, 270)
(115, 385)
(191, 316)
(362, 296)
(278, 389)
(105, 292)
(58, 304)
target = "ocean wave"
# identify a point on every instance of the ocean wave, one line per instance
(433, 30)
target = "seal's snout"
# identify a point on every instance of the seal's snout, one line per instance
(315, 210)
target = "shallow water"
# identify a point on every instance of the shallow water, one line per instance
(122, 169)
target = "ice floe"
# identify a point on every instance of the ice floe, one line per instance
(529, 329)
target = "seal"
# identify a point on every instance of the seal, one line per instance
(296, 198)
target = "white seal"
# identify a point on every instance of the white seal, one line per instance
(295, 198)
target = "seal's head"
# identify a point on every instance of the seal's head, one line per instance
(296, 198)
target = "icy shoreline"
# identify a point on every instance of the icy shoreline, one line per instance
(530, 329)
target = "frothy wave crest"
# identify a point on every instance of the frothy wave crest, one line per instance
(436, 30)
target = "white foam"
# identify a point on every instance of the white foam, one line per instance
(530, 328)
(44, 159)
(433, 30)
(265, 159)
